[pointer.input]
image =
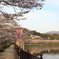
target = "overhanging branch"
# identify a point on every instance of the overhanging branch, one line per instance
(22, 4)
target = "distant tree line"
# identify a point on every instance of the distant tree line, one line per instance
(44, 36)
(51, 36)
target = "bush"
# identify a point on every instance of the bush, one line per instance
(7, 45)
(1, 49)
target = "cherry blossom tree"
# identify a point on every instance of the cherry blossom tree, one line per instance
(23, 6)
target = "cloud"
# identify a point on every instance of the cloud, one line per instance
(42, 28)
(41, 21)
(52, 4)
(42, 15)
(53, 1)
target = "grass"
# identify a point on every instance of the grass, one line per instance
(5, 46)
(1, 49)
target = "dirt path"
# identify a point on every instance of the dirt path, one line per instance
(9, 53)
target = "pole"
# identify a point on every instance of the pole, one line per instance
(17, 40)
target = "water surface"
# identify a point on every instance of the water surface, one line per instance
(48, 52)
(50, 56)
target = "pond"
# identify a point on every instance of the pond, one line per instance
(50, 56)
(47, 51)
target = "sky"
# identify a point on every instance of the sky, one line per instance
(44, 20)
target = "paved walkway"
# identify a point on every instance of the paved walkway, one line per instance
(9, 53)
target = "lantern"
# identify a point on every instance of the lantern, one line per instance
(19, 31)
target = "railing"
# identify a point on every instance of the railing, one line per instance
(25, 55)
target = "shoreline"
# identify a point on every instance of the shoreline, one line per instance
(42, 41)
(41, 44)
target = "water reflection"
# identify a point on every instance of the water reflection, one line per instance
(48, 52)
(42, 49)
(50, 56)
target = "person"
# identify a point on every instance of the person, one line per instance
(28, 51)
(41, 56)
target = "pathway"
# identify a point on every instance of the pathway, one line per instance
(9, 53)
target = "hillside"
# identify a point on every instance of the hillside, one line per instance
(53, 32)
